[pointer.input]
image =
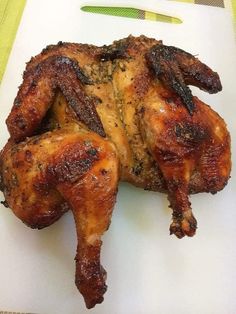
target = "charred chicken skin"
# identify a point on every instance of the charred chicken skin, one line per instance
(87, 117)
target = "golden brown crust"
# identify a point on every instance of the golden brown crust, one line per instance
(177, 69)
(40, 185)
(193, 152)
(56, 72)
(92, 217)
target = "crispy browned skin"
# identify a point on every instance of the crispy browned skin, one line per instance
(86, 117)
(51, 173)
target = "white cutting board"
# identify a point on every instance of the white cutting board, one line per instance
(149, 271)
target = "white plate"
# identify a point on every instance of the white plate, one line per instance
(149, 271)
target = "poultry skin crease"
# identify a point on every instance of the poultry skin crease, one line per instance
(87, 117)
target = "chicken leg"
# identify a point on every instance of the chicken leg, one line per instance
(191, 151)
(78, 170)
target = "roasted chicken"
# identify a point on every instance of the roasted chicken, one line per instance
(87, 117)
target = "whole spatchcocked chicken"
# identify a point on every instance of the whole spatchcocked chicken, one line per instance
(87, 117)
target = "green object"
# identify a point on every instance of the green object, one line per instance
(10, 15)
(131, 13)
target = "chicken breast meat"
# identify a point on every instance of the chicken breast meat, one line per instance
(87, 117)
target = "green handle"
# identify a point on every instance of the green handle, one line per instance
(131, 13)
